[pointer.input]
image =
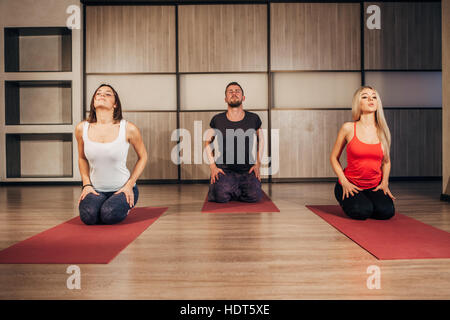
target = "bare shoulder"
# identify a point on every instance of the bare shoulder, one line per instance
(80, 125)
(131, 127)
(79, 128)
(347, 127)
(347, 131)
(132, 130)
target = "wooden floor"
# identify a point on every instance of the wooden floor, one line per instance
(187, 254)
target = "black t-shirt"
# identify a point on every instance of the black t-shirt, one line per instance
(241, 135)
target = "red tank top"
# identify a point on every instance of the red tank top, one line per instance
(363, 163)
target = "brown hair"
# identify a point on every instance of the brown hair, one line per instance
(117, 115)
(233, 84)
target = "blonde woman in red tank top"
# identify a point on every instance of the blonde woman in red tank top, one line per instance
(362, 189)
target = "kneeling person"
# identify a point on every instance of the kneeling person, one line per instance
(235, 175)
(109, 191)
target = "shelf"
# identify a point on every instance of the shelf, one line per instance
(39, 155)
(38, 76)
(39, 129)
(38, 102)
(38, 49)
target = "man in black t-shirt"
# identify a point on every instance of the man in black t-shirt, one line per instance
(235, 174)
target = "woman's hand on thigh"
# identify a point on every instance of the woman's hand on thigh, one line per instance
(384, 186)
(349, 189)
(128, 192)
(85, 192)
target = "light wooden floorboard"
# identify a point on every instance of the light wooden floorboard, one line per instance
(187, 254)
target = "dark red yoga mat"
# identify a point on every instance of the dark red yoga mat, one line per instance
(73, 242)
(400, 237)
(265, 205)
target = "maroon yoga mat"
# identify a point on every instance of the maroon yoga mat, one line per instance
(400, 237)
(73, 242)
(265, 205)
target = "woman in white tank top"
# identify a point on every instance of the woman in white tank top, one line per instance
(109, 190)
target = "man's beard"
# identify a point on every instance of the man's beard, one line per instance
(235, 104)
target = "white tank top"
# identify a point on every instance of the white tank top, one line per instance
(107, 161)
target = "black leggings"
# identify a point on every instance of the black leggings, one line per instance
(366, 204)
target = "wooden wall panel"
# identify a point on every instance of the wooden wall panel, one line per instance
(201, 171)
(314, 89)
(416, 148)
(306, 140)
(138, 92)
(308, 136)
(315, 36)
(192, 85)
(130, 39)
(407, 89)
(219, 38)
(156, 129)
(409, 38)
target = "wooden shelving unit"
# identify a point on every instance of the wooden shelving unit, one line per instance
(40, 93)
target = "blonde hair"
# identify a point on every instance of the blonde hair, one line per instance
(382, 128)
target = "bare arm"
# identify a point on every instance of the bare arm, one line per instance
(386, 169)
(209, 139)
(212, 165)
(259, 154)
(135, 139)
(260, 146)
(83, 164)
(339, 146)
